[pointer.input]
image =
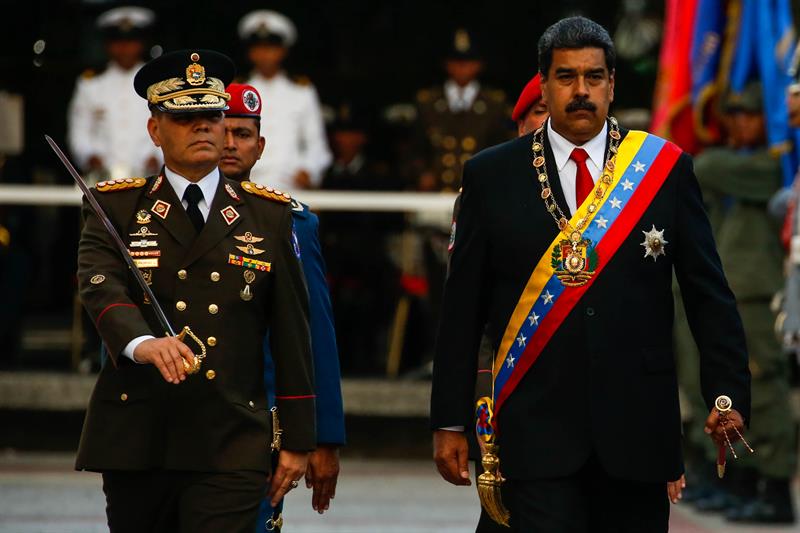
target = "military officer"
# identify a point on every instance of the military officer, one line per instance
(737, 183)
(243, 146)
(298, 152)
(191, 452)
(458, 118)
(106, 121)
(563, 254)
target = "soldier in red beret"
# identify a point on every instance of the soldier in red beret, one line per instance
(530, 112)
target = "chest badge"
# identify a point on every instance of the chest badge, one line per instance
(143, 217)
(229, 214)
(654, 243)
(250, 250)
(161, 209)
(248, 238)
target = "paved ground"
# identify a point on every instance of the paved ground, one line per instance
(39, 493)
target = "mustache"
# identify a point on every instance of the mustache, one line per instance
(581, 104)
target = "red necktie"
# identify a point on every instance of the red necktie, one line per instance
(583, 180)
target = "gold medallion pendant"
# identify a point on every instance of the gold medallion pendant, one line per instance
(574, 261)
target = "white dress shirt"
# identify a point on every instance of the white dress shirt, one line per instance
(291, 123)
(208, 185)
(567, 169)
(107, 119)
(461, 98)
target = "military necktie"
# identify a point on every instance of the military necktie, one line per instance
(583, 179)
(193, 195)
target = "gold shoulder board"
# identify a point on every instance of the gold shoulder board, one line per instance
(121, 184)
(88, 74)
(266, 192)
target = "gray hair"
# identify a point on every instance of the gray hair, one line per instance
(573, 33)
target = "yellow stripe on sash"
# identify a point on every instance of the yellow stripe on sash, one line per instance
(544, 271)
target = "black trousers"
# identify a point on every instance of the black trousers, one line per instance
(183, 502)
(589, 501)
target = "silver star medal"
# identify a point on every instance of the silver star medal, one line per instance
(654, 243)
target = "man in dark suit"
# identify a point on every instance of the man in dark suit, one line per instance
(244, 145)
(564, 250)
(181, 452)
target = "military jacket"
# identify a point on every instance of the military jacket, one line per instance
(218, 419)
(448, 139)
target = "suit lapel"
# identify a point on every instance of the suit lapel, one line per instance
(218, 224)
(175, 220)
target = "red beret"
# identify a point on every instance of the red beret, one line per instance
(245, 101)
(530, 95)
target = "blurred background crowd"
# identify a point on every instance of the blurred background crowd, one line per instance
(396, 96)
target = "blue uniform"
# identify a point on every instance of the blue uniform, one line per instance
(330, 412)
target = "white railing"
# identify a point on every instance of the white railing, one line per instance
(409, 202)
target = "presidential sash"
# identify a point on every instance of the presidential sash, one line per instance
(643, 163)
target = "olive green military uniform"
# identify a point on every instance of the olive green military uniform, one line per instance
(737, 186)
(448, 139)
(217, 420)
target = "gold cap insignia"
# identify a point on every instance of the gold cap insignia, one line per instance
(195, 74)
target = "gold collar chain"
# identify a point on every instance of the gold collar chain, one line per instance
(574, 233)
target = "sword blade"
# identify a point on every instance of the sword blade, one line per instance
(137, 274)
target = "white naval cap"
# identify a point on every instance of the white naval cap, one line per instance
(267, 25)
(130, 16)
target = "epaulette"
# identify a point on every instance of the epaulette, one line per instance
(88, 74)
(266, 192)
(120, 184)
(303, 81)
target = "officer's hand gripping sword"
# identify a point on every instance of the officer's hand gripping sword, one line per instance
(190, 368)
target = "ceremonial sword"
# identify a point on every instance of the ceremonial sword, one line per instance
(162, 318)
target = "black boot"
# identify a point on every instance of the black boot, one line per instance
(773, 505)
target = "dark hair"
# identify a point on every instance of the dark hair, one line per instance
(573, 33)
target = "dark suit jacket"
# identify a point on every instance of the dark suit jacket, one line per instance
(219, 422)
(605, 384)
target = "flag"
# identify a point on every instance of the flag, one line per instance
(672, 110)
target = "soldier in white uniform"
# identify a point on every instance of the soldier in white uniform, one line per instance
(297, 152)
(107, 121)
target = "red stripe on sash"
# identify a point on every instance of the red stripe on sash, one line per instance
(606, 249)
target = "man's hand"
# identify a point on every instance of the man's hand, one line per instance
(675, 488)
(322, 474)
(291, 467)
(715, 430)
(302, 180)
(450, 454)
(167, 354)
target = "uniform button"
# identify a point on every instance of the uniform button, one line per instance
(182, 274)
(590, 311)
(251, 404)
(215, 276)
(213, 309)
(212, 341)
(210, 374)
(180, 305)
(123, 397)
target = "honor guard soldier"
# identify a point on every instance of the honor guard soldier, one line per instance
(107, 123)
(183, 439)
(737, 182)
(459, 118)
(243, 146)
(564, 252)
(298, 153)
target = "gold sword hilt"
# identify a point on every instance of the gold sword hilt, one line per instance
(194, 367)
